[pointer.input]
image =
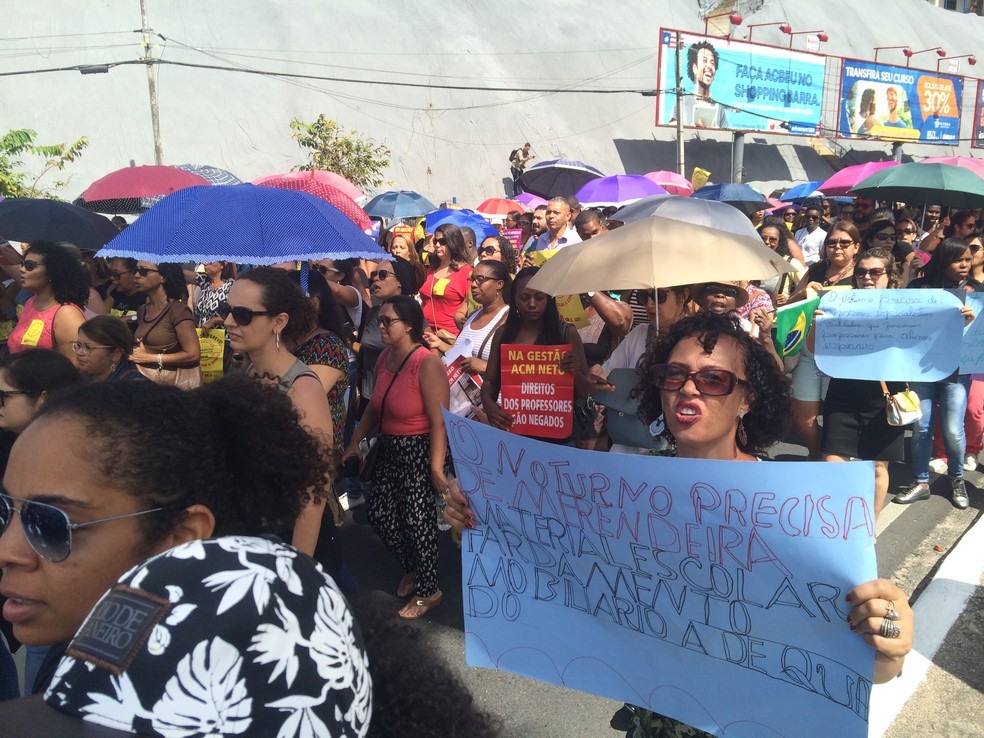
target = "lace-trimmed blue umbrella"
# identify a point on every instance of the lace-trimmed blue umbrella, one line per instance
(243, 224)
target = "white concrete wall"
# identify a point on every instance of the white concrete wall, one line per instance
(444, 143)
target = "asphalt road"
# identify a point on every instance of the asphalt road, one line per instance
(914, 542)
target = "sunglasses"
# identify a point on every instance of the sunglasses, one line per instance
(480, 279)
(144, 271)
(789, 215)
(842, 244)
(874, 273)
(812, 217)
(386, 322)
(488, 250)
(47, 528)
(886, 237)
(323, 270)
(710, 382)
(440, 240)
(380, 275)
(968, 224)
(658, 295)
(4, 394)
(721, 289)
(31, 264)
(770, 239)
(119, 274)
(84, 349)
(242, 315)
(905, 231)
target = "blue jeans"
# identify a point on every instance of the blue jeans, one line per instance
(951, 393)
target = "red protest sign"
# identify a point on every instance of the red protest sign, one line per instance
(536, 392)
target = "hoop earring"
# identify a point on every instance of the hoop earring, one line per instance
(278, 340)
(742, 436)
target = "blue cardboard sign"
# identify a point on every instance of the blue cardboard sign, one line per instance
(893, 335)
(709, 591)
(972, 347)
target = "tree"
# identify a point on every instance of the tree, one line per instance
(357, 158)
(15, 181)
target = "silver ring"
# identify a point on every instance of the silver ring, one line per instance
(891, 614)
(889, 629)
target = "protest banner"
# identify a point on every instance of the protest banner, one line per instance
(899, 103)
(793, 323)
(572, 311)
(535, 391)
(513, 234)
(709, 591)
(466, 388)
(746, 87)
(212, 343)
(972, 346)
(894, 335)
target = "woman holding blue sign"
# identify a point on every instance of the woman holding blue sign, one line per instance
(949, 268)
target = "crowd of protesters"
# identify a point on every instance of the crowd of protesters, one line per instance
(350, 376)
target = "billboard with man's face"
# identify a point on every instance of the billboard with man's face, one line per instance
(899, 104)
(978, 141)
(735, 85)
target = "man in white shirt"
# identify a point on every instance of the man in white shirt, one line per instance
(559, 231)
(811, 237)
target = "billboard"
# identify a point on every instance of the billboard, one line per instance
(735, 85)
(978, 141)
(899, 103)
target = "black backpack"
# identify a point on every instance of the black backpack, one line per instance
(512, 156)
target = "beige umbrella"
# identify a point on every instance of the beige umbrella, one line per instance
(660, 252)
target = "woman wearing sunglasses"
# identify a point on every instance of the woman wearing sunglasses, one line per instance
(28, 379)
(59, 287)
(881, 233)
(411, 459)
(854, 421)
(446, 286)
(103, 350)
(92, 488)
(167, 347)
(266, 315)
(949, 268)
(499, 248)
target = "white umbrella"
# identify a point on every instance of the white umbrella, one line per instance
(687, 242)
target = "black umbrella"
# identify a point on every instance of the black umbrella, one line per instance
(53, 220)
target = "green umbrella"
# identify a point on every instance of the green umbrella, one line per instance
(924, 184)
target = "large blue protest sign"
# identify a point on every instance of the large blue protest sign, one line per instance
(899, 103)
(709, 591)
(972, 347)
(894, 335)
(740, 86)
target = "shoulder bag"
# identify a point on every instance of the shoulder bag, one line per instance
(372, 458)
(902, 408)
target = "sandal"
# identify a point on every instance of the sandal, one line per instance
(419, 607)
(407, 585)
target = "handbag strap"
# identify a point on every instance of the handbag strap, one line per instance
(488, 336)
(382, 403)
(164, 311)
(884, 388)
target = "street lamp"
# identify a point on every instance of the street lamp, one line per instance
(821, 36)
(909, 53)
(971, 60)
(734, 18)
(784, 27)
(883, 48)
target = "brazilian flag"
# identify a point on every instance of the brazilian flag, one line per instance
(793, 322)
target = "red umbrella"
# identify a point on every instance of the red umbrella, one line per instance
(500, 206)
(333, 195)
(317, 175)
(146, 181)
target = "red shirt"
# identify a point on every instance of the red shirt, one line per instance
(441, 298)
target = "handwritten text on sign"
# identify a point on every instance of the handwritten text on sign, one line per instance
(972, 348)
(895, 335)
(709, 591)
(536, 391)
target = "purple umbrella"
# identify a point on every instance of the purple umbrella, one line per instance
(529, 200)
(618, 190)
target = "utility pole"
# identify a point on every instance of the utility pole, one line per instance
(681, 164)
(147, 59)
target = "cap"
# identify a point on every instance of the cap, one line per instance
(229, 636)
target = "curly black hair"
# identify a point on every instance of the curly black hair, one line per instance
(413, 691)
(769, 399)
(281, 295)
(692, 57)
(235, 446)
(68, 277)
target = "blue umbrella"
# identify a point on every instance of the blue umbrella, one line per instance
(801, 192)
(461, 218)
(558, 177)
(398, 204)
(737, 195)
(244, 224)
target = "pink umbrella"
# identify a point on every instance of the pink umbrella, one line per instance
(499, 206)
(618, 190)
(529, 200)
(974, 165)
(333, 195)
(778, 204)
(839, 184)
(146, 181)
(318, 175)
(673, 183)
